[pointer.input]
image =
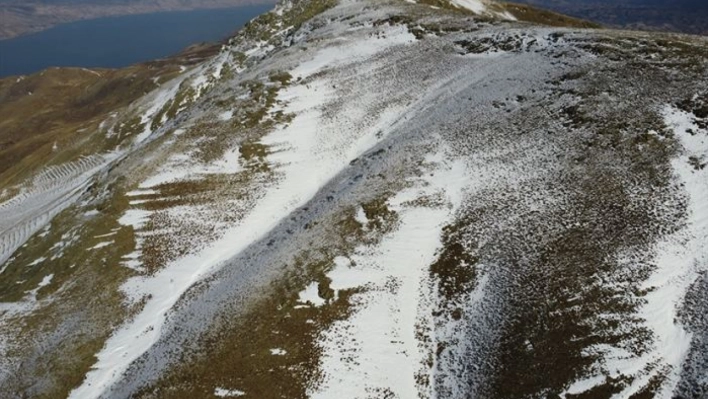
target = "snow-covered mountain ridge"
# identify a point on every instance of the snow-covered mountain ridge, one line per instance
(366, 199)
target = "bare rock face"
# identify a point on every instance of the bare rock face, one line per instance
(364, 199)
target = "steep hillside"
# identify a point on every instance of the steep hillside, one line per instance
(365, 199)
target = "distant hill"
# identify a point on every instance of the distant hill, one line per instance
(21, 17)
(687, 16)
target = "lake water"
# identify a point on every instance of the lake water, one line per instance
(115, 42)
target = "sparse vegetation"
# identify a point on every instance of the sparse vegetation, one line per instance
(237, 352)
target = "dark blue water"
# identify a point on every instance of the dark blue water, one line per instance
(115, 42)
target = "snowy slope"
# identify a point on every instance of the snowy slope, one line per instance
(361, 199)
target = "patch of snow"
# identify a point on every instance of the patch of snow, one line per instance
(45, 232)
(480, 7)
(475, 6)
(360, 216)
(310, 295)
(584, 385)
(182, 167)
(136, 193)
(347, 51)
(37, 261)
(506, 15)
(135, 218)
(680, 259)
(278, 352)
(227, 164)
(45, 282)
(226, 115)
(101, 245)
(156, 100)
(226, 393)
(132, 261)
(217, 70)
(377, 346)
(345, 276)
